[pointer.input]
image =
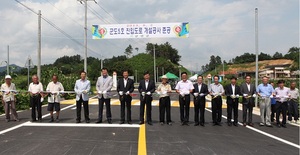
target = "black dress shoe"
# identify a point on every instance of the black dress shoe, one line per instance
(141, 122)
(202, 124)
(122, 122)
(33, 120)
(109, 121)
(251, 124)
(129, 122)
(215, 124)
(283, 125)
(196, 124)
(87, 121)
(229, 124)
(219, 124)
(77, 121)
(150, 123)
(169, 123)
(244, 124)
(99, 121)
(278, 125)
(235, 124)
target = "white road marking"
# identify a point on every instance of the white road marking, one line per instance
(81, 125)
(20, 125)
(265, 133)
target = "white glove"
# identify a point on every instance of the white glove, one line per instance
(148, 93)
(181, 93)
(164, 92)
(143, 93)
(237, 96)
(202, 94)
(245, 95)
(84, 92)
(159, 93)
(196, 94)
(254, 95)
(127, 93)
(104, 92)
(271, 96)
(42, 99)
(120, 93)
(186, 93)
(99, 92)
(277, 96)
(232, 96)
(286, 96)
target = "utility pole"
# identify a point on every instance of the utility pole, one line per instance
(85, 32)
(154, 63)
(256, 50)
(7, 64)
(136, 76)
(39, 45)
(29, 65)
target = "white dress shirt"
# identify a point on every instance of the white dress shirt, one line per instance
(10, 96)
(35, 87)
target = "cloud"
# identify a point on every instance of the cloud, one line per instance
(224, 28)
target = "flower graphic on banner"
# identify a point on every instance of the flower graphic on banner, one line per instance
(97, 32)
(182, 30)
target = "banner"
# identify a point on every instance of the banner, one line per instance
(143, 30)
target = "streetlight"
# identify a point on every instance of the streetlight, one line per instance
(179, 72)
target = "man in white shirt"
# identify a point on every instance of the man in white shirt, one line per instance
(35, 90)
(184, 88)
(8, 89)
(282, 95)
(53, 89)
(293, 103)
(216, 90)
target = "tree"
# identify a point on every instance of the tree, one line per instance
(137, 50)
(212, 63)
(164, 50)
(277, 55)
(128, 50)
(264, 56)
(218, 60)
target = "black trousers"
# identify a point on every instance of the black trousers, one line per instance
(281, 107)
(273, 111)
(85, 108)
(125, 101)
(101, 101)
(165, 107)
(199, 106)
(232, 107)
(184, 104)
(247, 109)
(217, 109)
(146, 100)
(36, 105)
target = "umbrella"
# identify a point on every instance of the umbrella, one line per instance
(171, 76)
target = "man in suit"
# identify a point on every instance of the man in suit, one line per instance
(232, 92)
(81, 88)
(184, 88)
(146, 88)
(103, 87)
(199, 93)
(125, 86)
(248, 91)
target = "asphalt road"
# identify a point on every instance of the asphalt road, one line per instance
(67, 137)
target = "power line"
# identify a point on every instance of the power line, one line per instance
(56, 27)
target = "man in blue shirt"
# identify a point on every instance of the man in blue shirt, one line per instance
(81, 88)
(265, 91)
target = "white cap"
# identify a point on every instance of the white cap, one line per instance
(7, 77)
(164, 77)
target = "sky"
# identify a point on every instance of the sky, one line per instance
(224, 28)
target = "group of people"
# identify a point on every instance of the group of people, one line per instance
(286, 99)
